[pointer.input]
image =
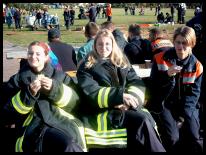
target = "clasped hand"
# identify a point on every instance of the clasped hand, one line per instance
(173, 70)
(129, 102)
(43, 84)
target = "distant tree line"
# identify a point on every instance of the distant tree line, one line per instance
(30, 6)
(163, 5)
(26, 6)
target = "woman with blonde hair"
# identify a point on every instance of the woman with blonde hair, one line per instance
(113, 95)
(176, 81)
(116, 56)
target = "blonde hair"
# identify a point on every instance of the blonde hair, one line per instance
(117, 57)
(188, 33)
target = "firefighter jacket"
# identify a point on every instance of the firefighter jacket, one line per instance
(51, 109)
(103, 86)
(182, 90)
(160, 45)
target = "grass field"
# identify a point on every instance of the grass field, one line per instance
(76, 38)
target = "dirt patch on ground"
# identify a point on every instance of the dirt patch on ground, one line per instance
(11, 33)
(40, 32)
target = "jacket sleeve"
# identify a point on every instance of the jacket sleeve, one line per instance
(159, 89)
(20, 100)
(192, 92)
(62, 93)
(81, 53)
(74, 58)
(98, 96)
(135, 86)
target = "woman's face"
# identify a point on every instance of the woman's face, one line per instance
(104, 46)
(181, 47)
(36, 57)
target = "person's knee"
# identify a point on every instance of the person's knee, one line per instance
(73, 147)
(174, 139)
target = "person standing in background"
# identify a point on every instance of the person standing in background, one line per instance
(67, 17)
(109, 12)
(92, 13)
(126, 9)
(72, 12)
(98, 11)
(17, 18)
(172, 11)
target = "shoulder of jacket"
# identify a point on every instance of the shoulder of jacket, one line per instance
(196, 62)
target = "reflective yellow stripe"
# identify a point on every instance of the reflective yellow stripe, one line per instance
(99, 97)
(105, 120)
(64, 113)
(145, 110)
(66, 96)
(100, 141)
(103, 97)
(28, 119)
(18, 145)
(138, 92)
(99, 125)
(106, 97)
(18, 105)
(102, 121)
(106, 134)
(80, 128)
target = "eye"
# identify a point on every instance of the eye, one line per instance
(178, 42)
(100, 44)
(108, 43)
(38, 54)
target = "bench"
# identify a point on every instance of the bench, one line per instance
(19, 54)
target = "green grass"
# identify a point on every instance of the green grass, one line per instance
(76, 38)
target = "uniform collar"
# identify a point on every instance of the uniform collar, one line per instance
(135, 38)
(47, 70)
(188, 63)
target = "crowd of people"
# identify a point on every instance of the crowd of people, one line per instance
(92, 12)
(103, 106)
(42, 18)
(34, 18)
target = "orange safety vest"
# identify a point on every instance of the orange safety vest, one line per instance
(188, 77)
(109, 11)
(159, 43)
